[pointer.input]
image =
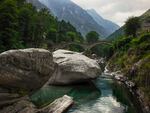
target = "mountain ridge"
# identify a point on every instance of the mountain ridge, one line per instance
(107, 24)
(81, 19)
(120, 32)
(37, 4)
(69, 11)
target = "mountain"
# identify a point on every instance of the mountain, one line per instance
(145, 20)
(37, 4)
(69, 11)
(110, 26)
(118, 33)
(146, 14)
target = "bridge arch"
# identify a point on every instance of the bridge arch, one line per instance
(99, 43)
(107, 51)
(85, 46)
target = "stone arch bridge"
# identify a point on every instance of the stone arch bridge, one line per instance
(85, 46)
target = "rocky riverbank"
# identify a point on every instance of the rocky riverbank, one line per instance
(134, 90)
(25, 71)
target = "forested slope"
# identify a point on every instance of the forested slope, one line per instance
(23, 26)
(132, 54)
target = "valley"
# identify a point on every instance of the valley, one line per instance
(57, 57)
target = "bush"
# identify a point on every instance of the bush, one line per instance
(144, 38)
(76, 48)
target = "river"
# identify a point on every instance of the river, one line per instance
(105, 96)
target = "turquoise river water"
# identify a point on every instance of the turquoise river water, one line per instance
(104, 96)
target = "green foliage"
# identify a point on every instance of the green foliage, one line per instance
(52, 35)
(71, 36)
(8, 25)
(122, 43)
(77, 48)
(92, 37)
(67, 33)
(134, 46)
(145, 38)
(25, 22)
(22, 26)
(134, 52)
(132, 25)
(147, 19)
(103, 50)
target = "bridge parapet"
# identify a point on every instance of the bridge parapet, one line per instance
(85, 46)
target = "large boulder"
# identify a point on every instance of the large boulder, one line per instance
(25, 69)
(24, 105)
(73, 68)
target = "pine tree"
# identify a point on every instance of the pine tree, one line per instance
(9, 24)
(132, 25)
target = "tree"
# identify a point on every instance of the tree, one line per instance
(9, 24)
(71, 36)
(40, 25)
(92, 37)
(132, 25)
(52, 35)
(25, 19)
(147, 19)
(22, 25)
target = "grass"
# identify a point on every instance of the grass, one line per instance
(134, 51)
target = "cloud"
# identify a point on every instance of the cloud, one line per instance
(116, 10)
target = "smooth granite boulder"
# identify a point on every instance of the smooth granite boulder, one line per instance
(25, 69)
(73, 67)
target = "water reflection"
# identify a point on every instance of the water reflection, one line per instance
(122, 95)
(107, 97)
(114, 99)
(80, 93)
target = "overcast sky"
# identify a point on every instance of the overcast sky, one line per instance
(116, 10)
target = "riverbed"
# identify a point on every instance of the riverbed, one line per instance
(103, 95)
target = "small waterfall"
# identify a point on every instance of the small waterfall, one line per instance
(106, 69)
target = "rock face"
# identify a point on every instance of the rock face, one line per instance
(58, 106)
(25, 106)
(21, 106)
(73, 67)
(109, 25)
(27, 69)
(68, 11)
